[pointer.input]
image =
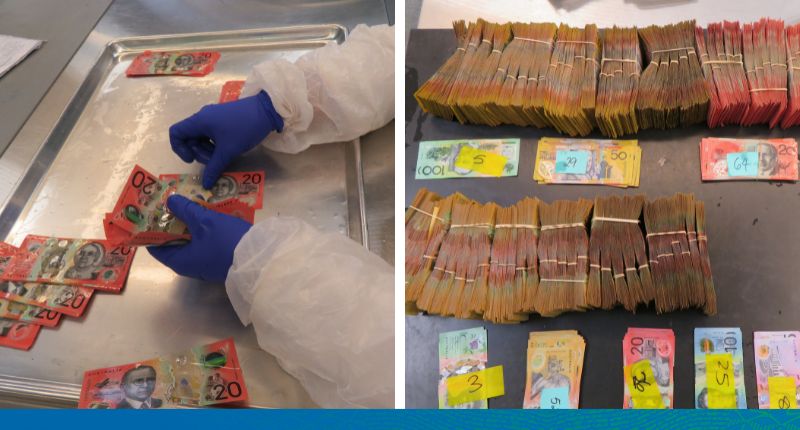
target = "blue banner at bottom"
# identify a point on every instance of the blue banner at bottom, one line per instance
(231, 419)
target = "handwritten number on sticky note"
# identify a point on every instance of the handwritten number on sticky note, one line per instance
(740, 163)
(473, 382)
(554, 402)
(724, 365)
(572, 161)
(784, 403)
(639, 384)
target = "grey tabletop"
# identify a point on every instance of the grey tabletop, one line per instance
(63, 25)
(753, 245)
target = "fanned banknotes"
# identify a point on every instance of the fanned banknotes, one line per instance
(28, 313)
(85, 262)
(202, 376)
(555, 367)
(173, 63)
(18, 334)
(724, 159)
(140, 216)
(70, 300)
(777, 354)
(588, 161)
(438, 159)
(720, 349)
(648, 358)
(246, 187)
(461, 352)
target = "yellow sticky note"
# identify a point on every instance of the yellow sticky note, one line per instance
(479, 385)
(643, 386)
(719, 381)
(782, 392)
(479, 161)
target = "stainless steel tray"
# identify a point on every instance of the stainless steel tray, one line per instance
(114, 122)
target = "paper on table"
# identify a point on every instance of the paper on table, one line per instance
(13, 50)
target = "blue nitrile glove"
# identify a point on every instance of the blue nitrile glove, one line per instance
(219, 133)
(209, 254)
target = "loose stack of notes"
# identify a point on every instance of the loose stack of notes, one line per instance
(588, 161)
(555, 367)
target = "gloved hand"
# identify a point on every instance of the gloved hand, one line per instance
(219, 133)
(209, 254)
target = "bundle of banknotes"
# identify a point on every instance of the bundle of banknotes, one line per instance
(140, 216)
(720, 51)
(179, 63)
(588, 161)
(677, 246)
(47, 278)
(461, 352)
(791, 117)
(202, 376)
(554, 370)
(618, 87)
(724, 159)
(777, 356)
(719, 368)
(765, 66)
(470, 260)
(648, 357)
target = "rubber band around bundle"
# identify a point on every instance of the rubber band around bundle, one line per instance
(755, 90)
(689, 48)
(665, 255)
(719, 62)
(429, 257)
(426, 213)
(556, 226)
(577, 41)
(625, 220)
(533, 40)
(525, 268)
(663, 233)
(580, 281)
(617, 60)
(620, 275)
(497, 50)
(479, 225)
(528, 226)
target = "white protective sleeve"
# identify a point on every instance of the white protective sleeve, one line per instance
(323, 306)
(332, 94)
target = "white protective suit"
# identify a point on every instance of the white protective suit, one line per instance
(320, 302)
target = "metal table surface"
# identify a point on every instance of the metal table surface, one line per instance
(159, 312)
(752, 237)
(63, 25)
